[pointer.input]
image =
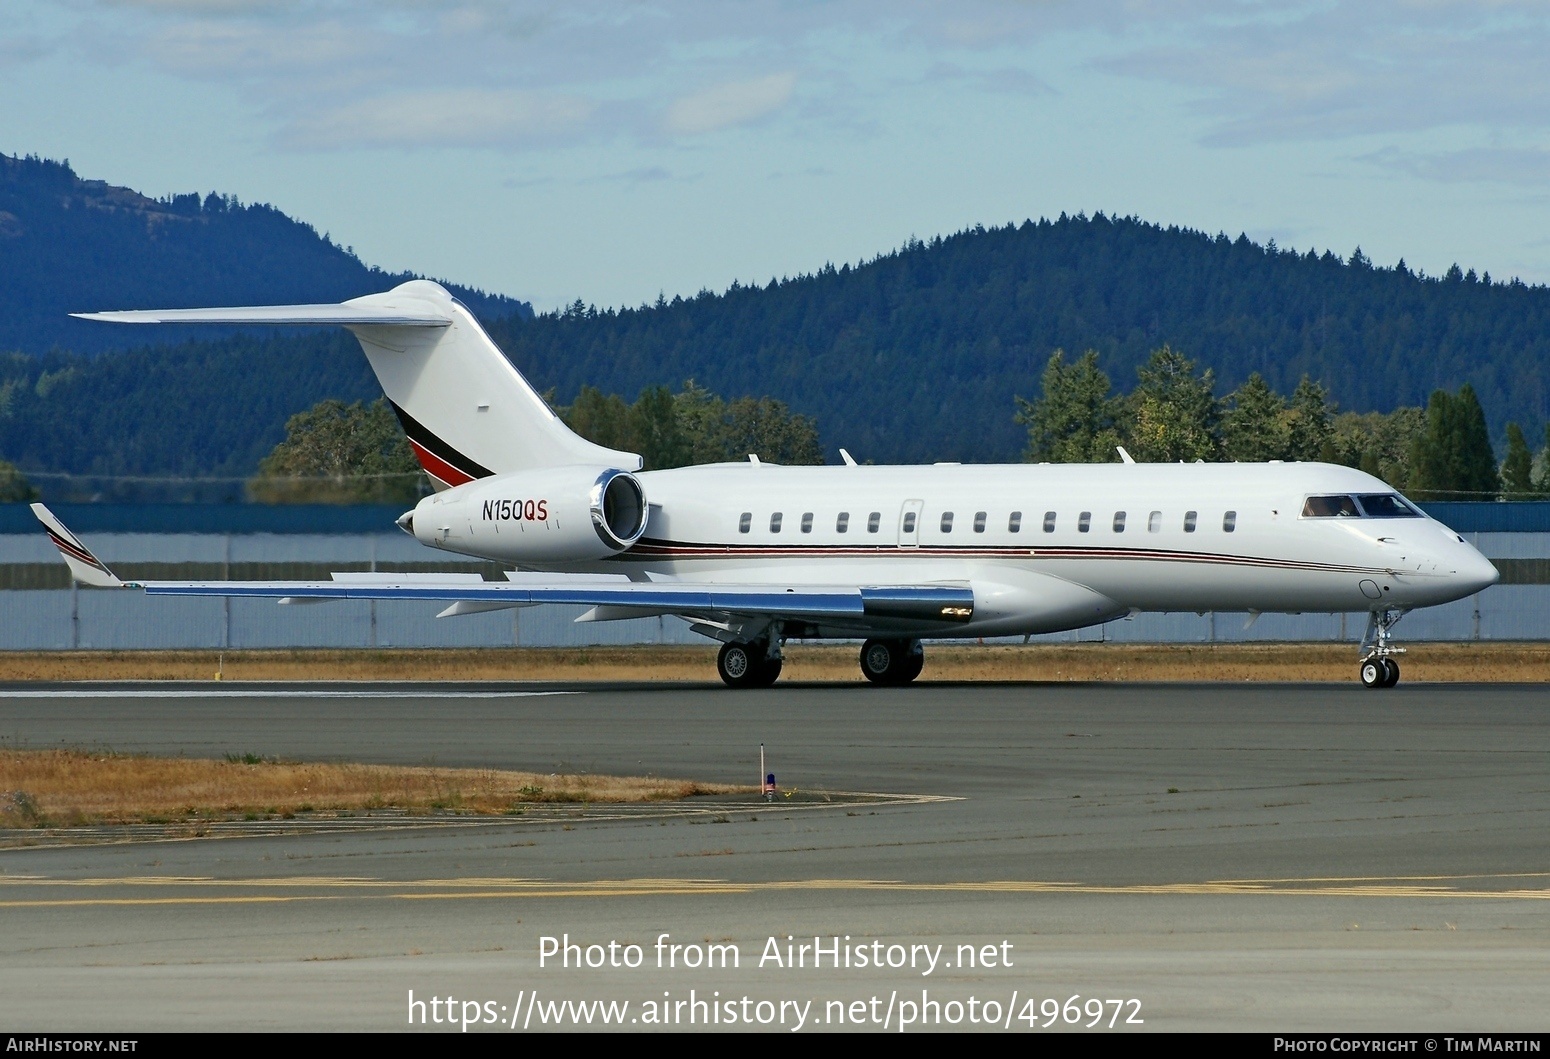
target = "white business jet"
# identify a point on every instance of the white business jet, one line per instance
(753, 554)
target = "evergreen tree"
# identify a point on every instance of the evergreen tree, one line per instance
(334, 453)
(1075, 420)
(1309, 427)
(655, 430)
(1382, 445)
(694, 426)
(1542, 466)
(1453, 458)
(1256, 425)
(601, 418)
(1476, 456)
(766, 428)
(702, 421)
(1173, 411)
(1518, 467)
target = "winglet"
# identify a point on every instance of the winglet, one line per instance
(84, 566)
(1125, 455)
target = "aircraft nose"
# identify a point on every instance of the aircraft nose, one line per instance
(1476, 572)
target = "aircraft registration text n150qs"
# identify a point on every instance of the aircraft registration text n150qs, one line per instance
(753, 554)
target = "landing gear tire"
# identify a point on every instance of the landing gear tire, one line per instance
(1380, 673)
(747, 665)
(1374, 673)
(891, 662)
(769, 672)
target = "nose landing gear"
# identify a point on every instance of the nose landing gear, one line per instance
(1379, 669)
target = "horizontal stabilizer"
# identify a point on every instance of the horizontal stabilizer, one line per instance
(408, 315)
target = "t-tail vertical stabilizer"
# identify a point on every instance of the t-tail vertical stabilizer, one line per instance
(467, 411)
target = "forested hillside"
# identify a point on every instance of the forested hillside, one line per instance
(71, 245)
(915, 356)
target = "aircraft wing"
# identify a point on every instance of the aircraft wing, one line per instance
(951, 602)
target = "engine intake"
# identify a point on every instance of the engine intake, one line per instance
(618, 509)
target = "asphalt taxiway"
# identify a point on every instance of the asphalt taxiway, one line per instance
(1231, 856)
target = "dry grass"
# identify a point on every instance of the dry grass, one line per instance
(1496, 662)
(71, 787)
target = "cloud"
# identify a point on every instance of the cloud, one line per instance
(441, 118)
(206, 7)
(1341, 69)
(728, 104)
(1527, 166)
(1008, 80)
(650, 174)
(232, 49)
(25, 48)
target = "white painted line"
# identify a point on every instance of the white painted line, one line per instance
(249, 693)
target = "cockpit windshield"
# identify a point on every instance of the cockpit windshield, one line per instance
(1386, 505)
(1330, 507)
(1367, 505)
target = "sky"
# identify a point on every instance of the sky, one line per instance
(616, 151)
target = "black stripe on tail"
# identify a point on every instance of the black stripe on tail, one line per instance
(427, 443)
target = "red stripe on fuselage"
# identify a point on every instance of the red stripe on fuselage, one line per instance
(657, 549)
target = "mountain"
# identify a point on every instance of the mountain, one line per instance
(915, 355)
(73, 245)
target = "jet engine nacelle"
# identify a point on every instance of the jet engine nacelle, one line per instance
(555, 515)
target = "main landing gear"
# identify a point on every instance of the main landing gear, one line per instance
(892, 661)
(1379, 669)
(749, 665)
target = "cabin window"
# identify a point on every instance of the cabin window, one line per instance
(807, 522)
(842, 523)
(745, 522)
(874, 520)
(1154, 522)
(947, 522)
(1049, 522)
(1119, 522)
(1330, 507)
(909, 522)
(775, 522)
(1189, 521)
(1015, 523)
(979, 522)
(1084, 521)
(1229, 521)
